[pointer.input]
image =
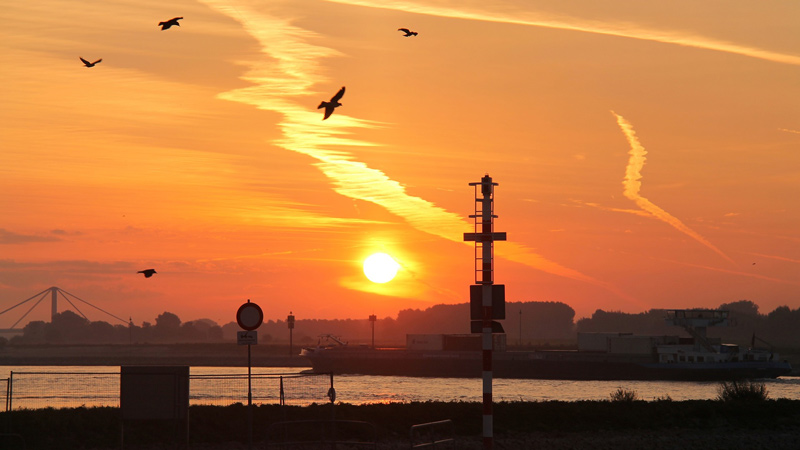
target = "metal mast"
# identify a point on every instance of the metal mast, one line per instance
(487, 300)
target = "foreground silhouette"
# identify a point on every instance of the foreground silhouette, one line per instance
(166, 25)
(147, 272)
(333, 104)
(90, 64)
(407, 32)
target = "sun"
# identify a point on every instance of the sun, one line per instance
(380, 268)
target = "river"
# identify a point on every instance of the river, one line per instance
(69, 386)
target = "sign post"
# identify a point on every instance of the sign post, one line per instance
(249, 317)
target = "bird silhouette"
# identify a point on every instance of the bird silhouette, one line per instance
(147, 272)
(407, 32)
(169, 23)
(333, 104)
(90, 64)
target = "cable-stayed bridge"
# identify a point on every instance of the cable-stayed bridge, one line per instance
(53, 293)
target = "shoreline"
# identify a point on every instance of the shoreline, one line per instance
(216, 354)
(208, 355)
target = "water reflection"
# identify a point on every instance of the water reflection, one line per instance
(59, 387)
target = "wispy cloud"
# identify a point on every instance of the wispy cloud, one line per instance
(632, 185)
(778, 258)
(285, 79)
(541, 19)
(10, 237)
(735, 272)
(788, 130)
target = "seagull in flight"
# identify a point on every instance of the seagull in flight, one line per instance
(333, 104)
(90, 64)
(147, 272)
(169, 23)
(407, 32)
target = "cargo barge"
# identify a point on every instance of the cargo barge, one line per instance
(600, 356)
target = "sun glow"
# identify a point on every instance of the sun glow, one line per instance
(380, 268)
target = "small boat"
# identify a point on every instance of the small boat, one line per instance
(600, 356)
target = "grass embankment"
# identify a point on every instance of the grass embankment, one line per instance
(773, 423)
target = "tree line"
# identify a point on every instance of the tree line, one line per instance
(528, 324)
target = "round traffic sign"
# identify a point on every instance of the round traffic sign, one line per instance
(249, 316)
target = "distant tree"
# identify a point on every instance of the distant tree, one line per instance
(168, 321)
(34, 332)
(647, 323)
(66, 327)
(744, 320)
(781, 325)
(540, 321)
(215, 333)
(741, 308)
(229, 331)
(167, 327)
(101, 332)
(191, 332)
(436, 319)
(123, 333)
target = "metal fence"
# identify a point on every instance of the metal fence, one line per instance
(36, 390)
(439, 434)
(5, 393)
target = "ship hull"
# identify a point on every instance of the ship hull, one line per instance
(532, 365)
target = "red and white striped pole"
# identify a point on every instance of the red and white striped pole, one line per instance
(484, 238)
(488, 422)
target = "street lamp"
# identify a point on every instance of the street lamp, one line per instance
(372, 320)
(290, 324)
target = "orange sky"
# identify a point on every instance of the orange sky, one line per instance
(647, 153)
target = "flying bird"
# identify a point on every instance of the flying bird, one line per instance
(90, 64)
(407, 32)
(147, 272)
(333, 104)
(169, 23)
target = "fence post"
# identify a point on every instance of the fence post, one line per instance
(9, 390)
(282, 395)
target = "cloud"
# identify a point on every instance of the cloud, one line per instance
(787, 130)
(632, 185)
(67, 266)
(9, 237)
(541, 19)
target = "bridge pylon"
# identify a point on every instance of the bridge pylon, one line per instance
(54, 291)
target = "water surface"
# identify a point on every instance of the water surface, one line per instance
(70, 386)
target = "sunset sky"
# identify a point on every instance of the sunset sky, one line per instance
(647, 154)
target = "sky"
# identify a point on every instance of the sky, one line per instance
(647, 154)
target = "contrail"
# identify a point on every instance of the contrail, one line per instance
(734, 272)
(789, 130)
(292, 68)
(779, 258)
(544, 20)
(632, 184)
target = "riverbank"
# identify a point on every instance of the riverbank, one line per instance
(696, 424)
(191, 354)
(207, 355)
